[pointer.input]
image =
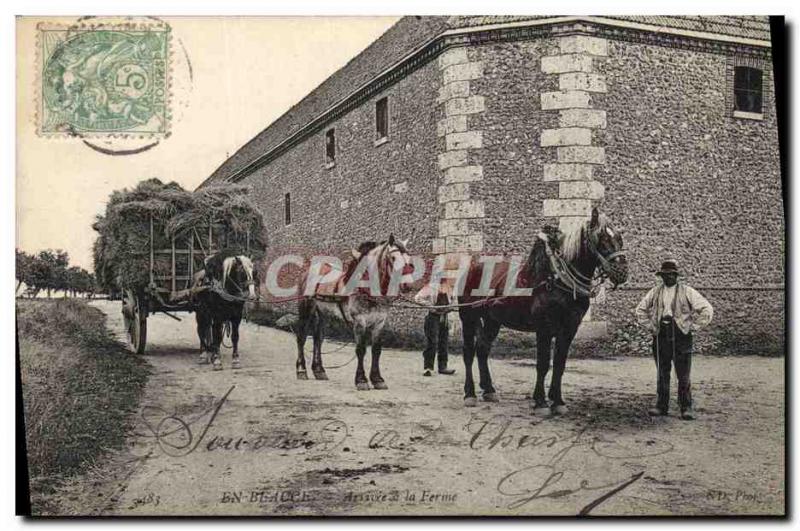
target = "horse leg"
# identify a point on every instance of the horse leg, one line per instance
(375, 368)
(488, 333)
(543, 346)
(361, 350)
(235, 363)
(216, 341)
(301, 333)
(319, 336)
(203, 331)
(469, 324)
(563, 341)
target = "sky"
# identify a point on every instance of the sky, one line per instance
(231, 78)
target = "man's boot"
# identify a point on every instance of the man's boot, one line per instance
(443, 367)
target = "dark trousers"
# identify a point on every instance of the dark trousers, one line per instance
(436, 335)
(671, 346)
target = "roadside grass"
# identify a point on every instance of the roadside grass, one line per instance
(79, 386)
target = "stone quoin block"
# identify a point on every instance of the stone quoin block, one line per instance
(470, 105)
(581, 190)
(583, 44)
(454, 192)
(454, 227)
(568, 172)
(437, 245)
(463, 174)
(582, 81)
(456, 89)
(569, 223)
(591, 118)
(452, 158)
(464, 209)
(569, 99)
(462, 72)
(582, 154)
(570, 136)
(566, 207)
(468, 243)
(451, 124)
(466, 140)
(558, 64)
(453, 56)
(401, 187)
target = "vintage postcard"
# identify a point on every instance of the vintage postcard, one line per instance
(401, 266)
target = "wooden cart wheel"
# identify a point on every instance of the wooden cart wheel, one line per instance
(135, 321)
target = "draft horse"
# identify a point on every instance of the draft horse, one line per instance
(560, 270)
(229, 278)
(363, 311)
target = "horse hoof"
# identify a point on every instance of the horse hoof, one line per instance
(561, 410)
(490, 397)
(380, 385)
(301, 375)
(320, 375)
(541, 411)
(203, 359)
(362, 386)
(236, 364)
(470, 401)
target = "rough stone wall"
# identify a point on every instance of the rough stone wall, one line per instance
(512, 188)
(685, 179)
(371, 190)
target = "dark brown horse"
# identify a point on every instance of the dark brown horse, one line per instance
(230, 279)
(363, 309)
(559, 271)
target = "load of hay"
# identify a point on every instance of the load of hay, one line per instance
(122, 248)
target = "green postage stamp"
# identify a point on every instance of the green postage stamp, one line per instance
(100, 79)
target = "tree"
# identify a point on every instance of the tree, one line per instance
(38, 276)
(24, 265)
(79, 281)
(51, 270)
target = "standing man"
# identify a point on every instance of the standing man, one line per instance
(437, 330)
(672, 311)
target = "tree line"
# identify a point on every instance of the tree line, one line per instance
(49, 271)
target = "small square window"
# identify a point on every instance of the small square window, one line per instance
(747, 89)
(330, 147)
(287, 209)
(382, 119)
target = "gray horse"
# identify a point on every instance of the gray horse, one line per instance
(363, 310)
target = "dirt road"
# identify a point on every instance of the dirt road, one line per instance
(256, 441)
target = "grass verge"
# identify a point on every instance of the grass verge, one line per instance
(79, 386)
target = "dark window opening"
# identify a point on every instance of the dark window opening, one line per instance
(330, 147)
(747, 89)
(287, 209)
(382, 118)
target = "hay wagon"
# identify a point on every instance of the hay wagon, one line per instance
(173, 263)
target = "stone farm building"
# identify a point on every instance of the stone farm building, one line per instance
(469, 133)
